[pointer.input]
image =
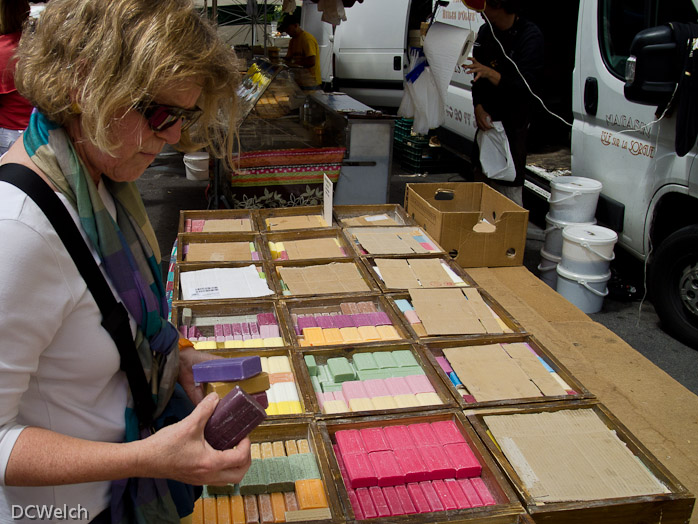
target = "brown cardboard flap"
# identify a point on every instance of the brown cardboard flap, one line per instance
(323, 279)
(225, 225)
(530, 365)
(445, 312)
(218, 251)
(391, 240)
(430, 272)
(296, 222)
(397, 273)
(369, 220)
(313, 248)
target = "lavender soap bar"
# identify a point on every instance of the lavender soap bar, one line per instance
(227, 369)
(234, 417)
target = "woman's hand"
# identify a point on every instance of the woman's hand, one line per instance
(482, 71)
(482, 118)
(180, 452)
(188, 356)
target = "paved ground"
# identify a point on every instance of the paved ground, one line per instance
(166, 191)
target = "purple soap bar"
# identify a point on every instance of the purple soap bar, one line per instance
(228, 330)
(306, 322)
(265, 319)
(227, 369)
(261, 399)
(343, 321)
(381, 318)
(234, 417)
(361, 319)
(324, 322)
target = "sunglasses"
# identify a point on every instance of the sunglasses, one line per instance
(161, 117)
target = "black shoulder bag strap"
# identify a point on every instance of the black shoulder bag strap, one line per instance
(114, 315)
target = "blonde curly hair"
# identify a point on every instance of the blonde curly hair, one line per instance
(98, 57)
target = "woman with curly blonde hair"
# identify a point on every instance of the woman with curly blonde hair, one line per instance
(113, 81)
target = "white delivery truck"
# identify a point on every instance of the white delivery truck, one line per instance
(650, 194)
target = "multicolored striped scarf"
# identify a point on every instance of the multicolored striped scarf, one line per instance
(130, 256)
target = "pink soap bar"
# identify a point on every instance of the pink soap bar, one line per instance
(349, 441)
(254, 330)
(463, 459)
(237, 331)
(411, 316)
(266, 318)
(362, 319)
(381, 318)
(470, 493)
(359, 470)
(353, 389)
(469, 399)
(374, 439)
(387, 469)
(457, 493)
(375, 387)
(423, 434)
(444, 495)
(397, 386)
(437, 464)
(325, 322)
(227, 330)
(379, 501)
(340, 460)
(187, 225)
(218, 330)
(184, 331)
(432, 498)
(405, 499)
(447, 432)
(443, 362)
(367, 506)
(411, 464)
(355, 505)
(419, 384)
(483, 492)
(269, 330)
(398, 437)
(342, 321)
(393, 500)
(197, 226)
(245, 327)
(418, 498)
(306, 322)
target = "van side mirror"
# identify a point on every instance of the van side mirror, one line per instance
(653, 69)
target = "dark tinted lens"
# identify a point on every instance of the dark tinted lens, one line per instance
(160, 117)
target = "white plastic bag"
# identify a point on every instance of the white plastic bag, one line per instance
(495, 155)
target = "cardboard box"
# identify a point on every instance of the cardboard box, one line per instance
(475, 224)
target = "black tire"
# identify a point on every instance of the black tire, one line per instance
(674, 285)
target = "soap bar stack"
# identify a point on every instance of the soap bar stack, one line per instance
(232, 332)
(282, 392)
(407, 469)
(223, 375)
(370, 381)
(349, 323)
(283, 484)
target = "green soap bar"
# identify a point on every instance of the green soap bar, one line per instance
(385, 359)
(331, 386)
(256, 480)
(364, 361)
(323, 375)
(280, 475)
(340, 369)
(316, 384)
(304, 466)
(312, 365)
(407, 371)
(404, 358)
(377, 373)
(229, 489)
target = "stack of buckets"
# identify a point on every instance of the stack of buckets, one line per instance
(576, 256)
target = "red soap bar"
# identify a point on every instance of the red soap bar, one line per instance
(398, 437)
(457, 493)
(444, 495)
(374, 440)
(387, 469)
(367, 507)
(483, 492)
(423, 435)
(411, 464)
(349, 441)
(355, 505)
(447, 432)
(405, 499)
(359, 471)
(418, 497)
(463, 458)
(379, 501)
(432, 498)
(437, 464)
(393, 500)
(340, 460)
(470, 493)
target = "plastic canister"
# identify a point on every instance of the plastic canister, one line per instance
(553, 234)
(587, 249)
(196, 165)
(574, 198)
(584, 291)
(548, 268)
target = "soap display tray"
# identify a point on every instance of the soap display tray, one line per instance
(307, 237)
(223, 221)
(372, 215)
(256, 250)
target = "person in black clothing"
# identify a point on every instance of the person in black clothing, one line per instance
(499, 90)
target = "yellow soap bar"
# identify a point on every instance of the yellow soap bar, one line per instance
(419, 329)
(333, 336)
(278, 448)
(279, 364)
(387, 332)
(256, 384)
(384, 403)
(223, 509)
(289, 407)
(252, 343)
(210, 514)
(303, 445)
(273, 342)
(203, 345)
(334, 406)
(197, 517)
(406, 401)
(361, 404)
(272, 409)
(303, 343)
(232, 344)
(314, 336)
(255, 451)
(267, 450)
(428, 399)
(274, 250)
(350, 335)
(264, 361)
(291, 447)
(237, 509)
(310, 494)
(369, 333)
(278, 507)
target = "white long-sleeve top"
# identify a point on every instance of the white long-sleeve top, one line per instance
(59, 369)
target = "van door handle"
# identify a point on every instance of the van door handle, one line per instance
(397, 63)
(591, 95)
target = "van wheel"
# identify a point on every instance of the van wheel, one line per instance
(674, 285)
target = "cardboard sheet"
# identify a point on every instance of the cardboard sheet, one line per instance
(226, 225)
(296, 222)
(570, 455)
(370, 220)
(445, 312)
(392, 240)
(430, 272)
(413, 272)
(323, 279)
(530, 365)
(312, 248)
(218, 252)
(482, 310)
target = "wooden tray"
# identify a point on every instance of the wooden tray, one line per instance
(345, 215)
(370, 263)
(282, 212)
(361, 251)
(187, 239)
(370, 284)
(218, 214)
(308, 234)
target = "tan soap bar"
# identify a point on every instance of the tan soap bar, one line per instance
(333, 336)
(368, 333)
(291, 447)
(334, 406)
(419, 330)
(256, 384)
(303, 446)
(428, 399)
(406, 401)
(384, 403)
(350, 335)
(361, 404)
(387, 332)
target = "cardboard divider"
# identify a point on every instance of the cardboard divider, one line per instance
(402, 240)
(506, 508)
(219, 220)
(372, 216)
(435, 349)
(675, 506)
(289, 307)
(313, 244)
(399, 272)
(214, 248)
(321, 355)
(291, 218)
(364, 283)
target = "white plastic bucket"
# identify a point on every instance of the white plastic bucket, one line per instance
(553, 234)
(548, 268)
(574, 198)
(196, 165)
(587, 249)
(584, 291)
